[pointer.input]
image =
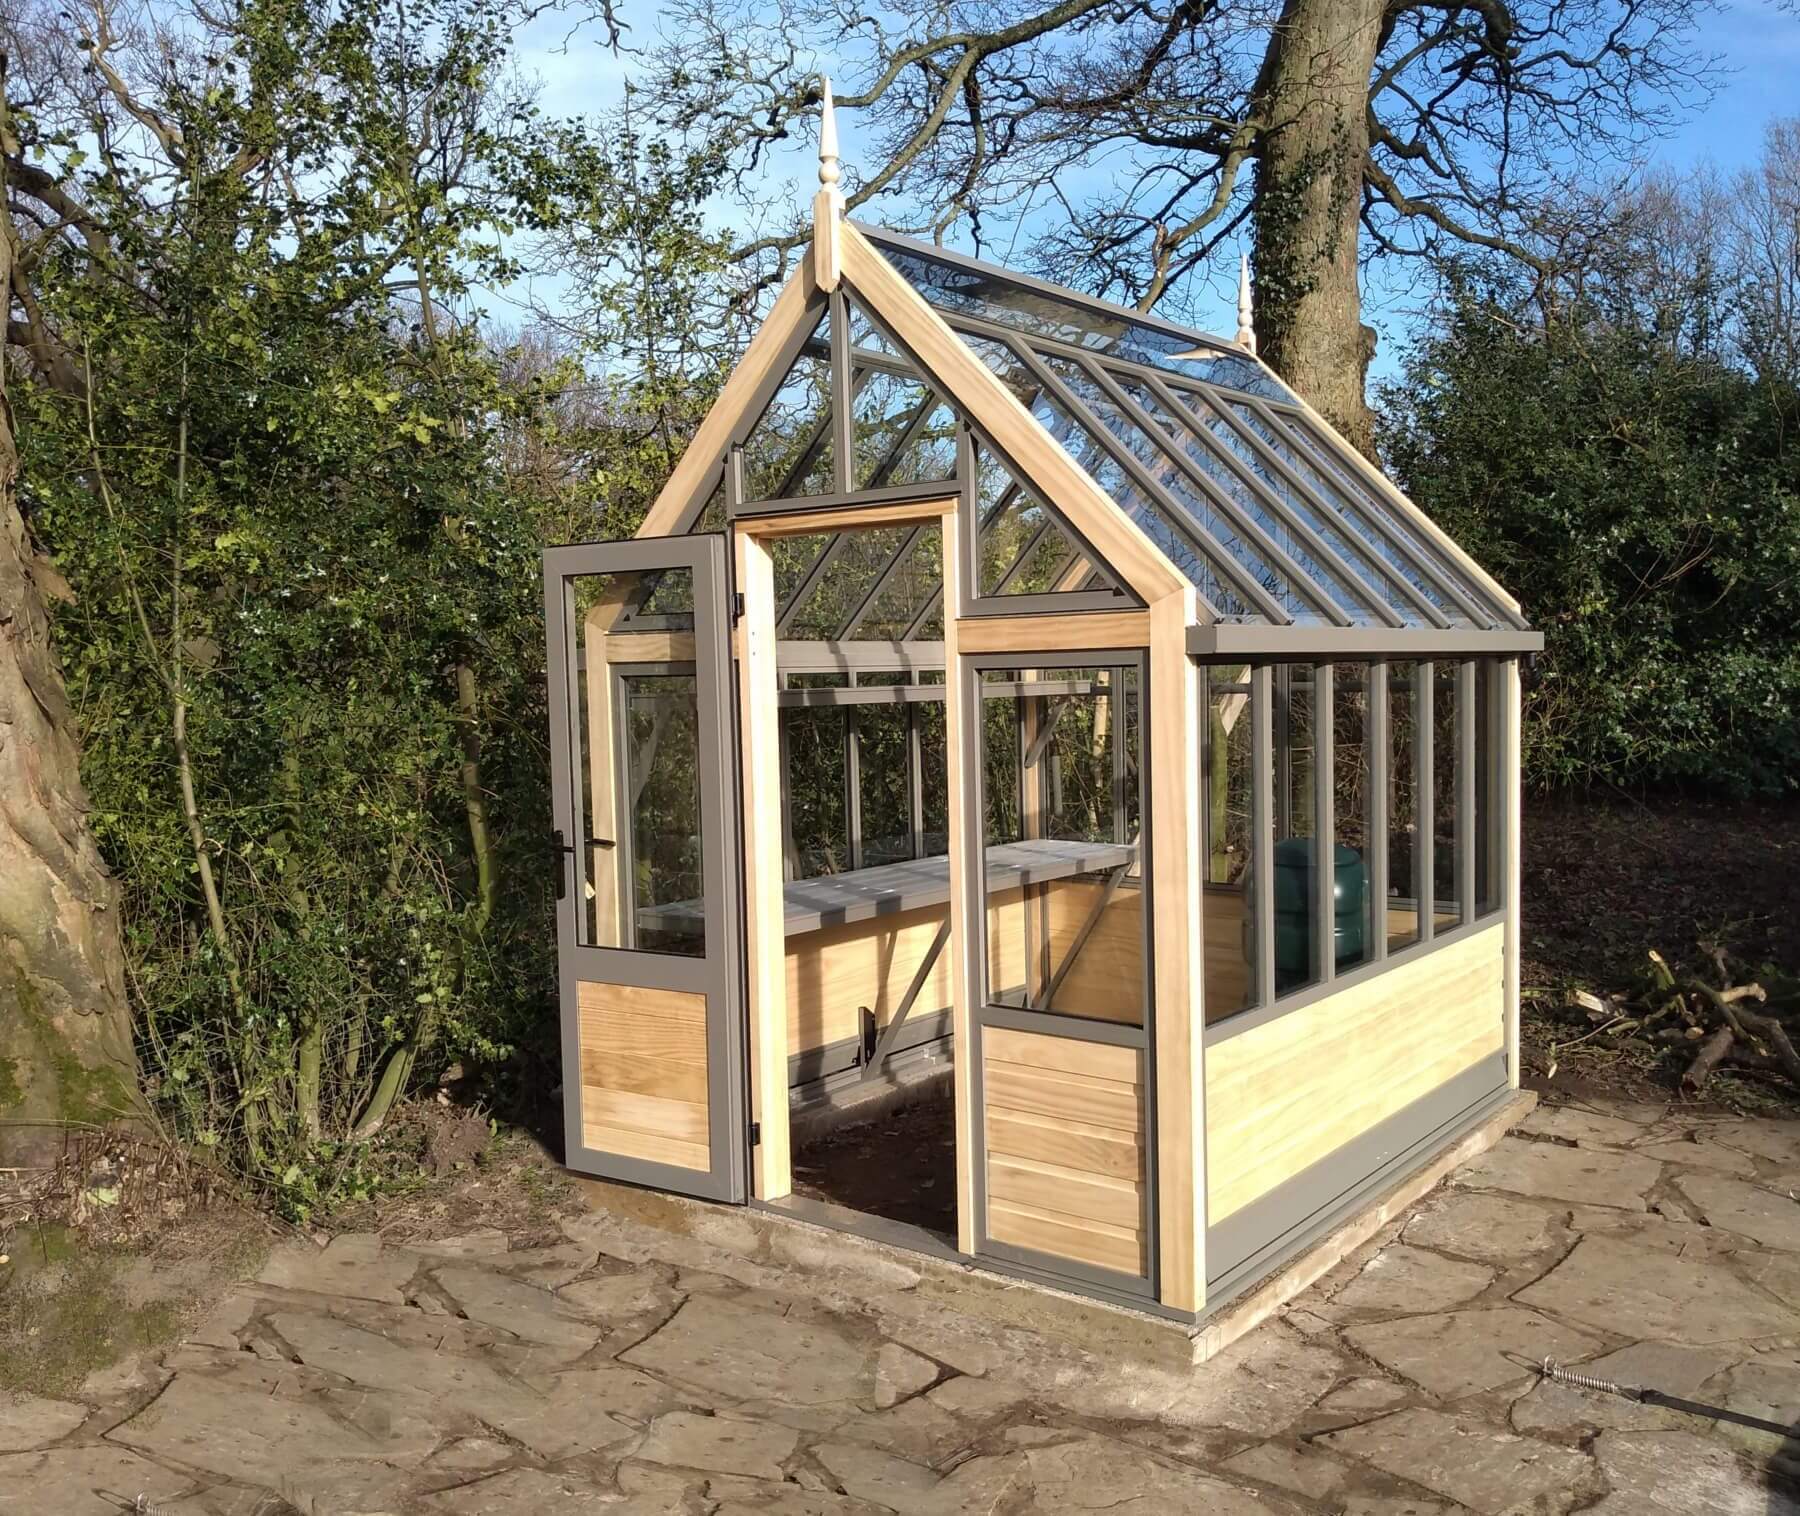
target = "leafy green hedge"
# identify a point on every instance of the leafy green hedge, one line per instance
(1644, 505)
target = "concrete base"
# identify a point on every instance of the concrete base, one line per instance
(772, 1239)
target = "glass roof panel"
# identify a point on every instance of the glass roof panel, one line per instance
(1346, 474)
(1080, 442)
(1377, 556)
(1279, 540)
(1267, 513)
(965, 287)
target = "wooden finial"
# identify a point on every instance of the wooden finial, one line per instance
(829, 172)
(1246, 332)
(828, 204)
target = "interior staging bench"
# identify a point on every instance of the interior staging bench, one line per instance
(883, 907)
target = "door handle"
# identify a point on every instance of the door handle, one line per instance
(561, 851)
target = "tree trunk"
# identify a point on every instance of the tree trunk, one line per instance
(1313, 98)
(66, 1052)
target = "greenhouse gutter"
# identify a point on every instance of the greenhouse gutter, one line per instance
(1326, 643)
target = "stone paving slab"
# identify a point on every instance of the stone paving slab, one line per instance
(720, 1368)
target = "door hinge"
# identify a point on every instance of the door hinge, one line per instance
(755, 1134)
(737, 607)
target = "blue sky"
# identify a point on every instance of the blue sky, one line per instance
(1758, 44)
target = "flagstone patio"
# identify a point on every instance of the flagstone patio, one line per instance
(720, 1367)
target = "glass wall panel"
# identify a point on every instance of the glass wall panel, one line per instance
(1352, 813)
(904, 435)
(1447, 837)
(1297, 843)
(1404, 854)
(815, 793)
(884, 776)
(637, 733)
(1228, 921)
(906, 588)
(788, 451)
(829, 597)
(1064, 895)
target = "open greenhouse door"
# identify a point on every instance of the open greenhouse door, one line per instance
(644, 785)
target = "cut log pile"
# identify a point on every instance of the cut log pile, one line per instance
(1726, 1025)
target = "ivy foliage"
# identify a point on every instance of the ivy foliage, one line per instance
(1641, 496)
(300, 496)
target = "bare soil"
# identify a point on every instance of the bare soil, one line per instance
(1608, 878)
(901, 1165)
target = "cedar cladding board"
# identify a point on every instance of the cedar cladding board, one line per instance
(643, 1074)
(1285, 1094)
(1065, 1148)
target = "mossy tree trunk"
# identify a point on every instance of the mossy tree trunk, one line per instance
(1313, 96)
(66, 1052)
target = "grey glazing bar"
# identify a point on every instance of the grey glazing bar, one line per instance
(860, 694)
(1324, 824)
(1495, 807)
(1262, 831)
(1322, 552)
(1177, 519)
(886, 1041)
(1276, 557)
(734, 480)
(790, 854)
(1377, 741)
(1465, 788)
(915, 778)
(843, 413)
(887, 494)
(1424, 800)
(1119, 769)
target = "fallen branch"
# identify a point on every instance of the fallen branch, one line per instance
(1710, 1026)
(1700, 1070)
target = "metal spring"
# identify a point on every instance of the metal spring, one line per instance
(1552, 1370)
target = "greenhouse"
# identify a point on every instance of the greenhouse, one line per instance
(1030, 792)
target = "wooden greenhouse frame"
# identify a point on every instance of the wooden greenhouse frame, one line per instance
(1272, 964)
